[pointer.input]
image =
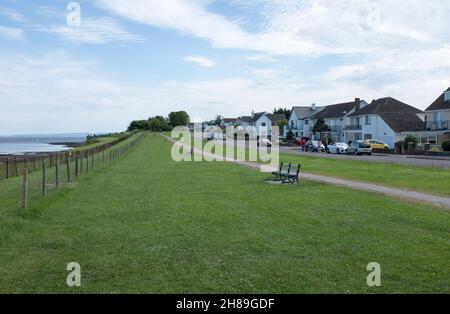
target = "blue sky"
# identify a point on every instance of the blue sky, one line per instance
(138, 58)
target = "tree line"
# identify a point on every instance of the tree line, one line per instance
(160, 123)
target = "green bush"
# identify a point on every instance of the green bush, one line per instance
(290, 136)
(446, 146)
(410, 139)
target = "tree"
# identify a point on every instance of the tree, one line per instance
(179, 118)
(158, 124)
(320, 126)
(290, 135)
(446, 146)
(410, 139)
(285, 111)
(218, 120)
(139, 125)
(281, 124)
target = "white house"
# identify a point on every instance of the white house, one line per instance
(385, 119)
(334, 116)
(299, 121)
(436, 127)
(264, 122)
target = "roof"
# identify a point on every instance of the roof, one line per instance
(301, 112)
(305, 112)
(336, 111)
(276, 117)
(257, 116)
(244, 119)
(228, 120)
(440, 103)
(399, 116)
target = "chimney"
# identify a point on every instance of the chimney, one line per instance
(357, 104)
(253, 113)
(313, 106)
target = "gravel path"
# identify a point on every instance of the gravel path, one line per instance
(362, 186)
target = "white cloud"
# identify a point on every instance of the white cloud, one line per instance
(12, 14)
(264, 58)
(201, 61)
(11, 32)
(57, 93)
(93, 31)
(302, 27)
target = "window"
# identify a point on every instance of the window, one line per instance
(368, 137)
(306, 122)
(263, 124)
(368, 120)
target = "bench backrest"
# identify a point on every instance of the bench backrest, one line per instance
(285, 168)
(295, 169)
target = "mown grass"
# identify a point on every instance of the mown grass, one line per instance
(150, 225)
(429, 180)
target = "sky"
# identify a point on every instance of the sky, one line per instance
(135, 59)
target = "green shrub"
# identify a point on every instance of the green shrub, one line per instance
(446, 146)
(410, 139)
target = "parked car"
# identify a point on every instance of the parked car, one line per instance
(264, 142)
(377, 144)
(337, 148)
(359, 148)
(313, 146)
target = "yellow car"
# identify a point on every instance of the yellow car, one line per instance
(377, 144)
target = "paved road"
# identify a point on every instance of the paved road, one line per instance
(362, 186)
(419, 161)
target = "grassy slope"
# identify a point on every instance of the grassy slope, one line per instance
(148, 224)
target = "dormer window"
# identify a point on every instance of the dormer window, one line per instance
(447, 96)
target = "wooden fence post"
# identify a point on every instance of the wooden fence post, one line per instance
(16, 170)
(87, 163)
(7, 168)
(76, 166)
(57, 173)
(44, 179)
(93, 155)
(25, 187)
(68, 169)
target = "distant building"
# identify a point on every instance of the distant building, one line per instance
(300, 120)
(386, 119)
(436, 125)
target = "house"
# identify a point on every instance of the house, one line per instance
(334, 116)
(262, 121)
(299, 121)
(437, 122)
(385, 119)
(243, 121)
(228, 122)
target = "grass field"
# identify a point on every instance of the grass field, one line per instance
(434, 181)
(148, 224)
(430, 180)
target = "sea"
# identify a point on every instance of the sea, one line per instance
(39, 143)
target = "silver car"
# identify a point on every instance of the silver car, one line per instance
(359, 148)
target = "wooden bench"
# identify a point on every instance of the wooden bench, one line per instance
(289, 173)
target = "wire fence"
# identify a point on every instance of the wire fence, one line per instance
(30, 178)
